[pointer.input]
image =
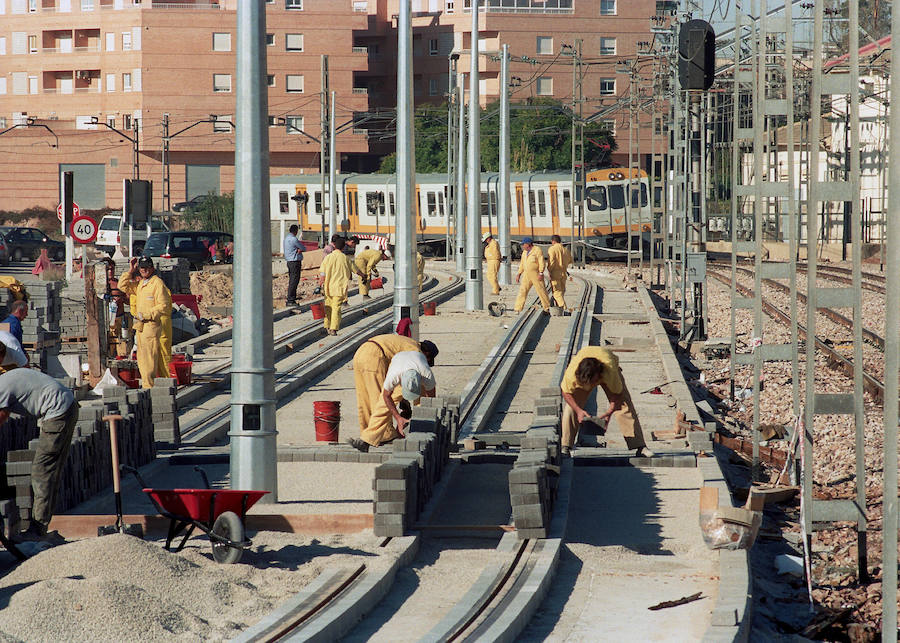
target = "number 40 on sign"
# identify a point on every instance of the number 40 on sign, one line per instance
(83, 229)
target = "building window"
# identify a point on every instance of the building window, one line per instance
(293, 124)
(609, 125)
(3, 92)
(607, 7)
(32, 6)
(544, 45)
(293, 83)
(544, 86)
(607, 46)
(110, 41)
(607, 86)
(111, 120)
(297, 5)
(126, 121)
(126, 82)
(221, 123)
(32, 44)
(293, 42)
(270, 80)
(221, 83)
(433, 87)
(451, 6)
(110, 82)
(270, 39)
(283, 203)
(126, 41)
(87, 5)
(221, 42)
(433, 47)
(2, 46)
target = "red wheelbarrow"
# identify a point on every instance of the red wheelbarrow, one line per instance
(219, 513)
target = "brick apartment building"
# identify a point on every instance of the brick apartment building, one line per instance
(76, 76)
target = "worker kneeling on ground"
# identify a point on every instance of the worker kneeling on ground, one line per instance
(593, 366)
(335, 273)
(152, 317)
(492, 256)
(371, 364)
(365, 267)
(29, 392)
(531, 273)
(558, 260)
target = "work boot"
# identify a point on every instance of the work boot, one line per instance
(366, 297)
(566, 451)
(358, 444)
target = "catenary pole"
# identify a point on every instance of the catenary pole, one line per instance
(503, 201)
(253, 447)
(333, 191)
(461, 178)
(406, 296)
(474, 292)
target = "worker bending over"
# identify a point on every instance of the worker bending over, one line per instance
(531, 273)
(365, 268)
(593, 366)
(152, 318)
(13, 355)
(558, 260)
(492, 256)
(420, 269)
(370, 366)
(335, 273)
(29, 392)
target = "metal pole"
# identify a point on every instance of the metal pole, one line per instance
(451, 150)
(333, 191)
(167, 185)
(406, 295)
(474, 293)
(323, 141)
(461, 179)
(253, 434)
(503, 209)
(137, 148)
(628, 214)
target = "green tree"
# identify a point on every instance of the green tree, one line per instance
(216, 213)
(540, 138)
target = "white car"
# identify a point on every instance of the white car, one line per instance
(113, 233)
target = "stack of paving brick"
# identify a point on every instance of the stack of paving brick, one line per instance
(40, 330)
(534, 478)
(73, 319)
(405, 483)
(165, 411)
(16, 508)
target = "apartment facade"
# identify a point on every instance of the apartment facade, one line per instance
(99, 86)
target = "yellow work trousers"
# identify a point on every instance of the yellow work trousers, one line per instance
(332, 319)
(526, 281)
(626, 419)
(380, 428)
(493, 267)
(364, 285)
(150, 358)
(370, 366)
(558, 285)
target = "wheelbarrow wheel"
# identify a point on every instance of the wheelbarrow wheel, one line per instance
(228, 525)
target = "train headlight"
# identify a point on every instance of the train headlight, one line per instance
(618, 176)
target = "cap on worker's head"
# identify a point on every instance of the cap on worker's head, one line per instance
(526, 240)
(430, 350)
(145, 262)
(487, 235)
(411, 385)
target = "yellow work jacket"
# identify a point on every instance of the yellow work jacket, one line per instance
(558, 258)
(611, 379)
(532, 261)
(338, 271)
(391, 344)
(152, 300)
(492, 251)
(367, 259)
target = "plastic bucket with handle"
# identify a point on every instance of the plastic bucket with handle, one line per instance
(327, 417)
(317, 310)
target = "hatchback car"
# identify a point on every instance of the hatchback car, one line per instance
(27, 243)
(196, 247)
(192, 203)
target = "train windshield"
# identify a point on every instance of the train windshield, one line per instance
(596, 197)
(634, 196)
(616, 197)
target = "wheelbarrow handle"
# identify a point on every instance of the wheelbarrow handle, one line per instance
(202, 473)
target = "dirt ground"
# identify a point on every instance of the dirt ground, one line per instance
(217, 289)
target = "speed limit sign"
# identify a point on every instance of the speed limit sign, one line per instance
(83, 229)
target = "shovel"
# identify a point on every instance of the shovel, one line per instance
(120, 527)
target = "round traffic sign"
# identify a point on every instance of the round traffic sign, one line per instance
(75, 211)
(83, 229)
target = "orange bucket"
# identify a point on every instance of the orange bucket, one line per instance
(429, 307)
(327, 417)
(376, 283)
(317, 310)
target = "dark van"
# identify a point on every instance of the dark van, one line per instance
(197, 247)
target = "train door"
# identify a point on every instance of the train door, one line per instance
(351, 208)
(554, 208)
(520, 210)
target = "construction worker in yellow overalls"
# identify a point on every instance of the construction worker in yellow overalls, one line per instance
(531, 273)
(420, 269)
(365, 266)
(492, 256)
(370, 366)
(558, 259)
(336, 273)
(152, 310)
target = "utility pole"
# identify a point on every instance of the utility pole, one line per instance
(503, 209)
(461, 178)
(452, 124)
(323, 138)
(474, 291)
(406, 294)
(578, 174)
(333, 198)
(167, 198)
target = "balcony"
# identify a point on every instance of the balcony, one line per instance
(360, 50)
(543, 7)
(189, 6)
(360, 90)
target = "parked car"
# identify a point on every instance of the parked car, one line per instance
(192, 203)
(26, 244)
(4, 251)
(191, 245)
(113, 232)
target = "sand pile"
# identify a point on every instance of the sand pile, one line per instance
(217, 289)
(118, 588)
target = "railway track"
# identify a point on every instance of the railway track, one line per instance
(499, 604)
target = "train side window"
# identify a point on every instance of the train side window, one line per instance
(531, 207)
(657, 197)
(440, 198)
(542, 205)
(567, 203)
(485, 205)
(283, 202)
(318, 200)
(634, 195)
(596, 197)
(617, 196)
(432, 204)
(391, 199)
(644, 195)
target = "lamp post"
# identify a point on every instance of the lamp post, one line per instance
(167, 138)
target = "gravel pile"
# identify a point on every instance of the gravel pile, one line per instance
(118, 588)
